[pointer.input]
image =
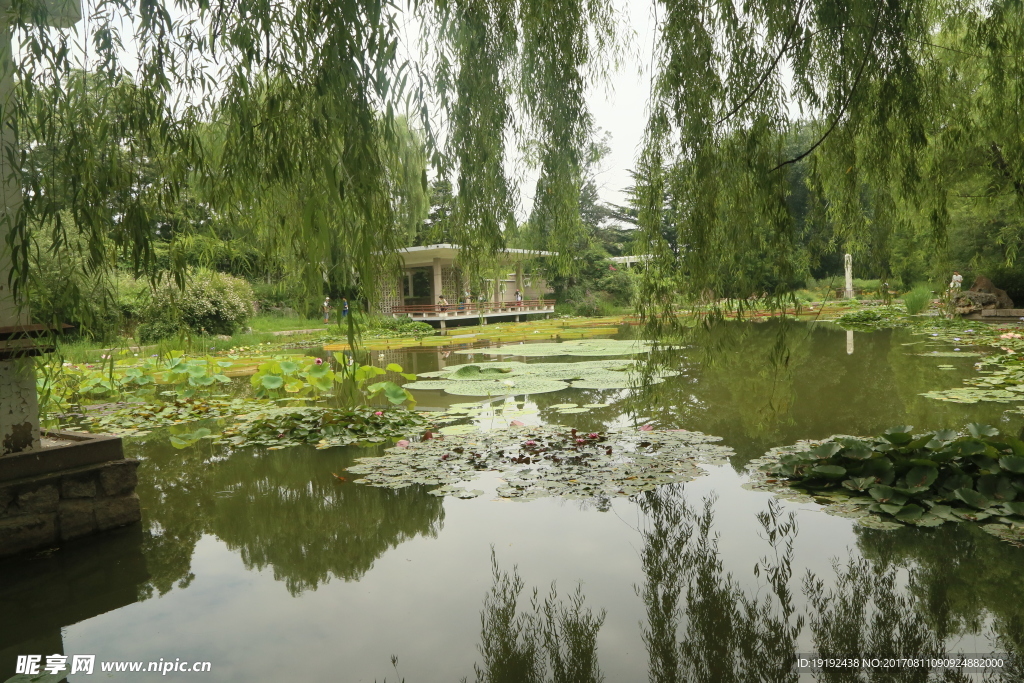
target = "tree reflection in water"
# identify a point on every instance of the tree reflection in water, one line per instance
(703, 626)
(280, 509)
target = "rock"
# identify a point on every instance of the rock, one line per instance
(76, 518)
(984, 285)
(43, 499)
(119, 478)
(78, 488)
(26, 532)
(972, 302)
(6, 498)
(223, 337)
(117, 511)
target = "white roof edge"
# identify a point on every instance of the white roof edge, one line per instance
(535, 252)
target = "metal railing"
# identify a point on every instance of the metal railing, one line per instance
(475, 308)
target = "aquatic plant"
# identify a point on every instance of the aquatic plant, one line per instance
(514, 377)
(139, 419)
(546, 461)
(920, 479)
(581, 347)
(277, 427)
(917, 299)
(872, 318)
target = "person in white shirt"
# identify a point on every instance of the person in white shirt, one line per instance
(956, 282)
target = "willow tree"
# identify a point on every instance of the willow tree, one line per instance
(313, 89)
(894, 93)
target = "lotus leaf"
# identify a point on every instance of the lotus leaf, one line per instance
(1012, 463)
(583, 347)
(272, 381)
(996, 487)
(980, 430)
(921, 477)
(830, 471)
(973, 498)
(545, 461)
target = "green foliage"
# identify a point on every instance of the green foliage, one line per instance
(924, 479)
(326, 427)
(399, 327)
(211, 303)
(917, 299)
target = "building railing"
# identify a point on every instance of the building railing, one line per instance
(475, 308)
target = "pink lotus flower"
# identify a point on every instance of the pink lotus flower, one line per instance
(647, 428)
(517, 423)
(404, 443)
(593, 435)
(530, 443)
(319, 361)
(379, 413)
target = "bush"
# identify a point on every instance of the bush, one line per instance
(917, 299)
(400, 327)
(620, 285)
(212, 303)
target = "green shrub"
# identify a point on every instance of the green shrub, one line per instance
(211, 303)
(917, 299)
(399, 327)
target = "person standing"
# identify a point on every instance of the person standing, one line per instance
(327, 309)
(956, 283)
(344, 308)
(519, 298)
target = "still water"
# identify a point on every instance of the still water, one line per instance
(261, 563)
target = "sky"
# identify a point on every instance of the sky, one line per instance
(622, 112)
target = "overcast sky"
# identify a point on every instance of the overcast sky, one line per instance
(623, 112)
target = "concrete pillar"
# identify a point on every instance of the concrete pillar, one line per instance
(519, 278)
(437, 291)
(19, 407)
(408, 277)
(497, 288)
(848, 263)
(849, 342)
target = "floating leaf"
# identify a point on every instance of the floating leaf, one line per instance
(1012, 463)
(979, 430)
(920, 478)
(973, 498)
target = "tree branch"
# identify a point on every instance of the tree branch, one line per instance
(842, 110)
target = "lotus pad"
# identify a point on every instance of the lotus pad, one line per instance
(513, 377)
(578, 347)
(547, 461)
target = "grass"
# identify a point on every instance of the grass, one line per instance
(279, 323)
(917, 299)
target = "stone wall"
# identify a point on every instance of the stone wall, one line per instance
(43, 510)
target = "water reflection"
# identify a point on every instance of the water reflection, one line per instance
(703, 625)
(278, 508)
(42, 594)
(765, 384)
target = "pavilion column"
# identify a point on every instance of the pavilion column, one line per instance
(497, 288)
(519, 278)
(19, 407)
(437, 281)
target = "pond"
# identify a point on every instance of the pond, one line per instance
(263, 563)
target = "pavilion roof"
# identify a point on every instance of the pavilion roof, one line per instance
(415, 257)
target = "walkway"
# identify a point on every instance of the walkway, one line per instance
(474, 311)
